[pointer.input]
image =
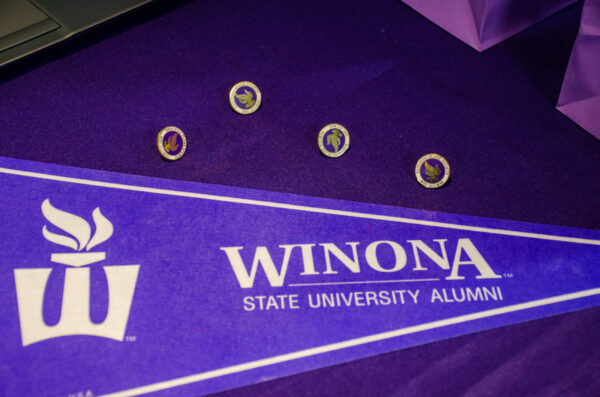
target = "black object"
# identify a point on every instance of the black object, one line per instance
(29, 26)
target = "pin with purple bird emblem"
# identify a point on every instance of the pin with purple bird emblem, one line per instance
(245, 97)
(432, 171)
(171, 143)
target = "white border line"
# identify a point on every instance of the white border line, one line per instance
(298, 207)
(412, 280)
(348, 343)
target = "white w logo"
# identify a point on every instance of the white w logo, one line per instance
(75, 318)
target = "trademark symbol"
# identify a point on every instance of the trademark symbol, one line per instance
(508, 275)
(130, 338)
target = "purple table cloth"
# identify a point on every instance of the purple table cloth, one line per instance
(485, 23)
(402, 87)
(580, 95)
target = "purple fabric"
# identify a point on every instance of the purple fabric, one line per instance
(485, 23)
(401, 86)
(580, 95)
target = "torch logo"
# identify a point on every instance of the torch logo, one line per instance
(75, 317)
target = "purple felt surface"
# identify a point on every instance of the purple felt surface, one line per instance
(400, 85)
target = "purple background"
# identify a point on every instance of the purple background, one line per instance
(402, 86)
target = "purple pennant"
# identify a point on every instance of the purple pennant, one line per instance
(124, 285)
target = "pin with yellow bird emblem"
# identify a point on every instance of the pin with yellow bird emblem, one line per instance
(432, 171)
(245, 97)
(171, 143)
(334, 140)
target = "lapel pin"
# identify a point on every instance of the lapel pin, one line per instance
(432, 171)
(334, 140)
(245, 97)
(171, 143)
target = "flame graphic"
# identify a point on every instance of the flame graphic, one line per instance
(77, 227)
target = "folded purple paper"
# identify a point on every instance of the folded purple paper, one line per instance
(580, 95)
(485, 23)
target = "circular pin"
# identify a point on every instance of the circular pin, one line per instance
(245, 97)
(334, 140)
(171, 143)
(432, 171)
